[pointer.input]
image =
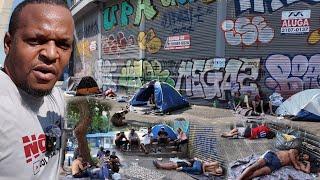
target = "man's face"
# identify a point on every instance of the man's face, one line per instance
(40, 48)
(305, 157)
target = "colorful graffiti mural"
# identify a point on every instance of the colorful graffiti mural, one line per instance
(114, 44)
(289, 76)
(314, 37)
(149, 41)
(138, 72)
(146, 8)
(247, 31)
(262, 5)
(110, 18)
(134, 55)
(130, 75)
(103, 74)
(152, 70)
(200, 79)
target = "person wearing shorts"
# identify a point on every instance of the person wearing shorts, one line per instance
(271, 161)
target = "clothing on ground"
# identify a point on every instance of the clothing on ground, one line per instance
(195, 169)
(272, 160)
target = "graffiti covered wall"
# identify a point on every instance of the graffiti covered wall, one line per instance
(86, 45)
(269, 46)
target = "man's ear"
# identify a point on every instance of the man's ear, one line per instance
(7, 42)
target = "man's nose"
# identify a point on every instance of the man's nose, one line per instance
(49, 52)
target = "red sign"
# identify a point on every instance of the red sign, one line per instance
(178, 42)
(295, 22)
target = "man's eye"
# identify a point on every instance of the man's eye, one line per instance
(33, 42)
(63, 45)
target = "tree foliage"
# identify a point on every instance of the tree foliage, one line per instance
(99, 122)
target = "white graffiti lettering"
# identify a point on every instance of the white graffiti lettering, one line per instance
(103, 73)
(259, 6)
(246, 31)
(199, 78)
(291, 76)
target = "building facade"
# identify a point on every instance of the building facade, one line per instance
(206, 49)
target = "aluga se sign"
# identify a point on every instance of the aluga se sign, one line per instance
(295, 22)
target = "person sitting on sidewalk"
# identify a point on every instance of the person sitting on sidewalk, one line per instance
(121, 141)
(258, 103)
(100, 153)
(236, 101)
(147, 141)
(163, 137)
(118, 118)
(275, 100)
(134, 140)
(114, 162)
(78, 169)
(182, 138)
(271, 161)
(261, 131)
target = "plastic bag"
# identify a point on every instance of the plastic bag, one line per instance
(288, 139)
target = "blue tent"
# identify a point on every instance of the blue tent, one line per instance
(303, 105)
(166, 97)
(155, 129)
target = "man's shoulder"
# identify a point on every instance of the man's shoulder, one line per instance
(57, 95)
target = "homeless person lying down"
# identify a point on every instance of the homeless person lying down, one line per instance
(271, 161)
(260, 131)
(193, 166)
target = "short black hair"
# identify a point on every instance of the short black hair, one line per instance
(107, 152)
(271, 135)
(14, 20)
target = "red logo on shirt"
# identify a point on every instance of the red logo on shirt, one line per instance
(33, 146)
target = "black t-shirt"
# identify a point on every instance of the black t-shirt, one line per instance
(162, 134)
(113, 157)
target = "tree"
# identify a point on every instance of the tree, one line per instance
(83, 112)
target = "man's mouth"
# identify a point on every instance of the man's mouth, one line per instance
(44, 73)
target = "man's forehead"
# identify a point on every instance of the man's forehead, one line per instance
(39, 13)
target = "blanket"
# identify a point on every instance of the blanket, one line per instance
(286, 172)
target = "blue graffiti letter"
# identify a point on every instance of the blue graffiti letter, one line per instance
(126, 11)
(109, 18)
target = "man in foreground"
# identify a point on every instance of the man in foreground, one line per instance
(38, 46)
(271, 161)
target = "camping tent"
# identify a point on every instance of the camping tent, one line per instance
(303, 105)
(165, 96)
(155, 129)
(87, 86)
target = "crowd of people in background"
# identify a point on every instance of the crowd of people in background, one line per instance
(108, 166)
(133, 141)
(256, 103)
